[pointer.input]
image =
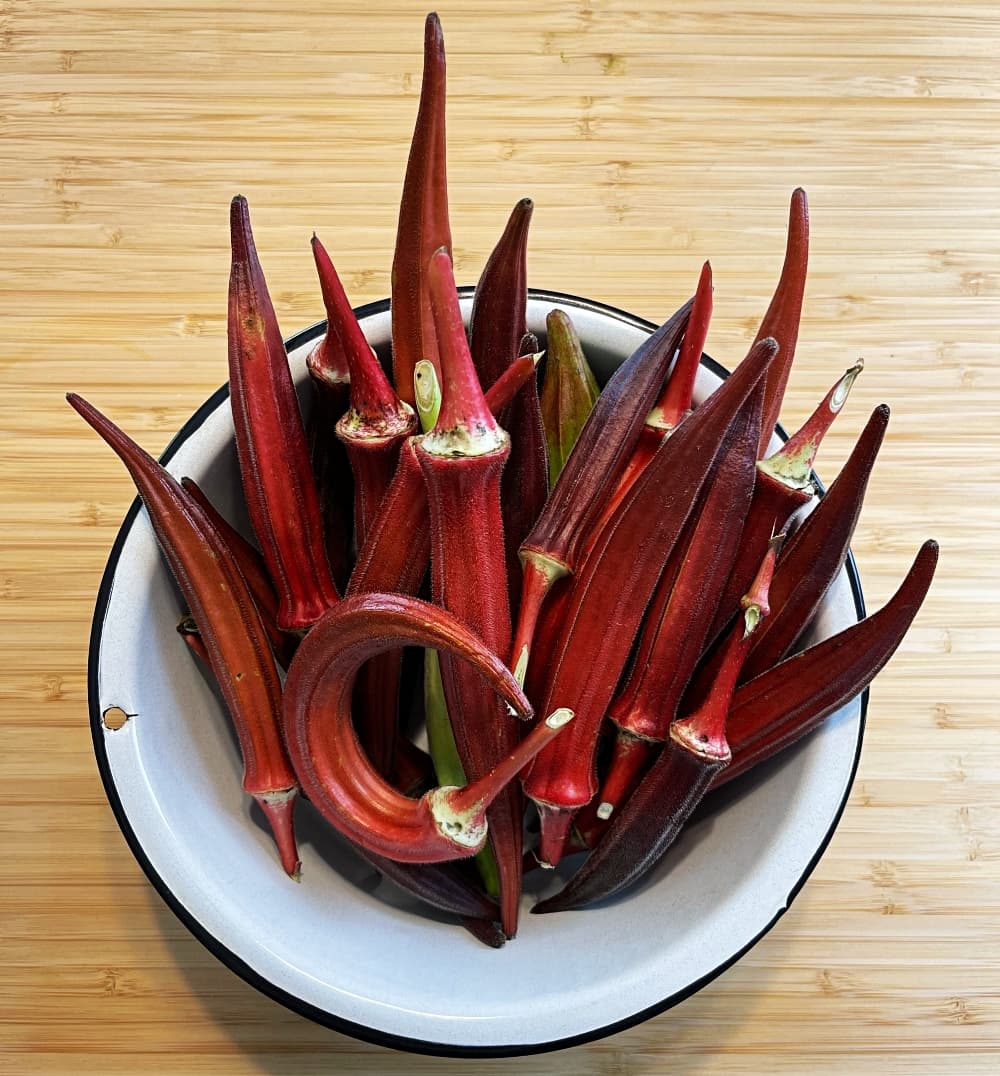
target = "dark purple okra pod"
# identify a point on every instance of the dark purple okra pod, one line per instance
(496, 329)
(591, 474)
(815, 553)
(697, 750)
(779, 707)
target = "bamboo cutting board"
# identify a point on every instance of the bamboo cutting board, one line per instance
(650, 137)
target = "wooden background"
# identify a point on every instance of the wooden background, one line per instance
(651, 137)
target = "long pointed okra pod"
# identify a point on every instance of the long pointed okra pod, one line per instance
(783, 486)
(781, 321)
(607, 601)
(675, 400)
(423, 221)
(683, 607)
(591, 474)
(330, 377)
(271, 442)
(814, 555)
(496, 328)
(254, 571)
(229, 624)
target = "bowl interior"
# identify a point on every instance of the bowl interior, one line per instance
(351, 950)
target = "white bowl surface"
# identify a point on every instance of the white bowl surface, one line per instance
(354, 951)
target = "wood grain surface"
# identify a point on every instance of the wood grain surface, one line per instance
(651, 137)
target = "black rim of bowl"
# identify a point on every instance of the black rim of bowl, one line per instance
(234, 962)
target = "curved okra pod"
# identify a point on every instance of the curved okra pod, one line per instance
(423, 221)
(618, 578)
(462, 460)
(496, 329)
(230, 627)
(271, 442)
(814, 555)
(772, 711)
(676, 627)
(781, 321)
(696, 752)
(445, 823)
(591, 474)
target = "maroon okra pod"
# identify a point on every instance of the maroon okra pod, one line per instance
(783, 486)
(772, 711)
(812, 557)
(683, 607)
(496, 329)
(617, 580)
(271, 442)
(781, 322)
(229, 625)
(330, 377)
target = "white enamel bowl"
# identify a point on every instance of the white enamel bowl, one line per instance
(353, 952)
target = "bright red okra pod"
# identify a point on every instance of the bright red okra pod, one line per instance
(462, 460)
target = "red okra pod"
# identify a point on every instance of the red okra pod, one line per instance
(813, 556)
(676, 628)
(423, 221)
(696, 752)
(777, 708)
(462, 460)
(675, 401)
(330, 377)
(271, 442)
(377, 421)
(496, 329)
(781, 322)
(783, 486)
(608, 600)
(397, 552)
(230, 627)
(591, 474)
(254, 571)
(443, 824)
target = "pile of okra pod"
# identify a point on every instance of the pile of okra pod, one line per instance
(604, 591)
